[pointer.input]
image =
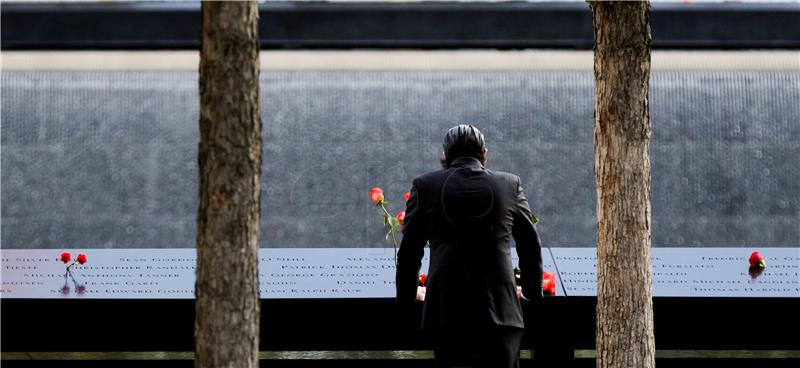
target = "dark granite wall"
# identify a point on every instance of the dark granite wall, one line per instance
(109, 159)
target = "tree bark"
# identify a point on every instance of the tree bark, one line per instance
(622, 174)
(229, 157)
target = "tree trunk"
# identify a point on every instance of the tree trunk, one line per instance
(229, 157)
(622, 173)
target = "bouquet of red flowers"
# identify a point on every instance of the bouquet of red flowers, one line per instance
(548, 281)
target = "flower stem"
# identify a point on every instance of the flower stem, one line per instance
(385, 211)
(391, 231)
(69, 272)
(394, 244)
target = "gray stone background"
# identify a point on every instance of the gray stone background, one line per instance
(105, 160)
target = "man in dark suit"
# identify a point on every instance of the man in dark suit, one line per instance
(468, 214)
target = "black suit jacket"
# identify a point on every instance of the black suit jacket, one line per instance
(468, 214)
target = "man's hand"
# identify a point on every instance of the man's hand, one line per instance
(519, 294)
(421, 293)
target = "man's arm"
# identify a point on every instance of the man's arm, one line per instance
(412, 249)
(529, 248)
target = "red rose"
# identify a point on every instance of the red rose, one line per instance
(65, 257)
(407, 195)
(549, 283)
(422, 278)
(757, 260)
(401, 216)
(81, 258)
(376, 195)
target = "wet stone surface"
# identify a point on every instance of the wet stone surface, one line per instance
(109, 159)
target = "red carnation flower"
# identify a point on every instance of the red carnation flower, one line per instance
(422, 278)
(401, 216)
(757, 260)
(407, 195)
(81, 258)
(376, 195)
(65, 257)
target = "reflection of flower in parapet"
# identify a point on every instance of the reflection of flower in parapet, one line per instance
(80, 289)
(65, 289)
(755, 272)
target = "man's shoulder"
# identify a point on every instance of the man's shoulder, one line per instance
(430, 177)
(506, 176)
(437, 176)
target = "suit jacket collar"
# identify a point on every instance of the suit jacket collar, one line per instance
(466, 162)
